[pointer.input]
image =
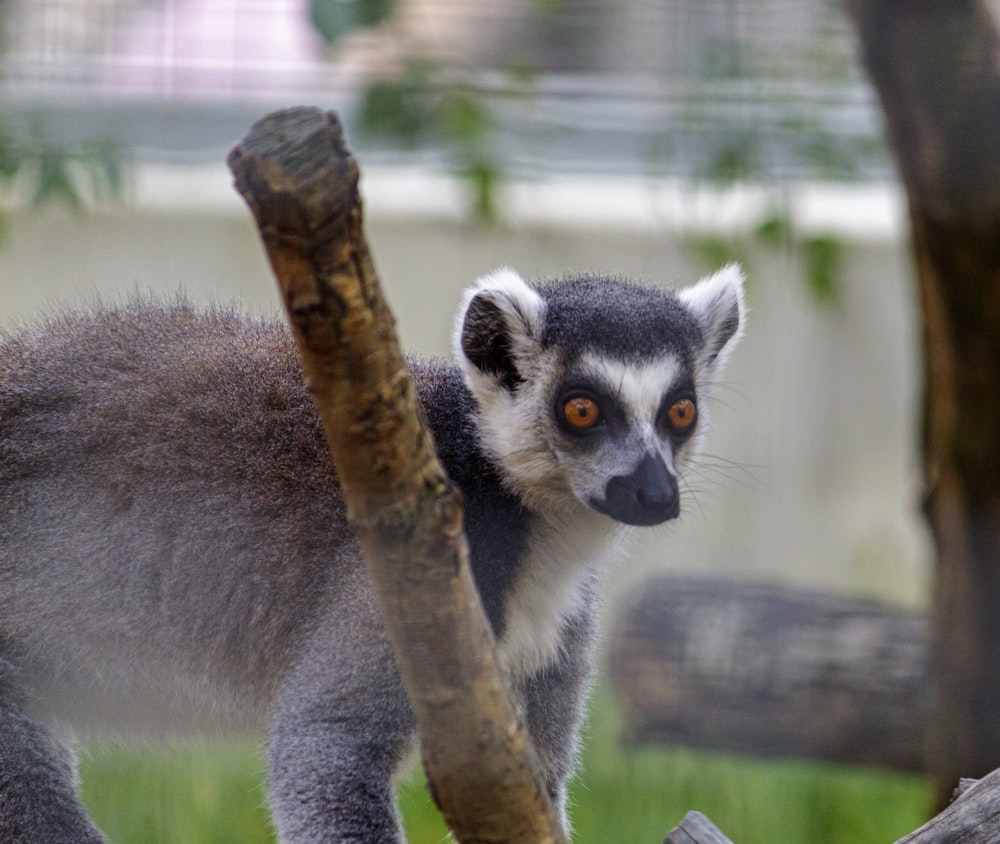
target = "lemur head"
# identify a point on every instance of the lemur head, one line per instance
(595, 386)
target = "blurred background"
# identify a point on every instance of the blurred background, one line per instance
(656, 140)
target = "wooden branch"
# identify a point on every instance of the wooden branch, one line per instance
(301, 184)
(696, 829)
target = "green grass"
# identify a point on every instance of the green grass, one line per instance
(190, 795)
(214, 795)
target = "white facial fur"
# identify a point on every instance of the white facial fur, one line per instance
(518, 430)
(640, 389)
(515, 440)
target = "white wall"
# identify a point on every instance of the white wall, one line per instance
(815, 478)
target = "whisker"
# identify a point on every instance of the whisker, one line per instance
(715, 388)
(694, 496)
(730, 387)
(730, 469)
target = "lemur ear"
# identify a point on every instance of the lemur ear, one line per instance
(500, 322)
(718, 304)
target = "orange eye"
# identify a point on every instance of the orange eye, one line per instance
(581, 412)
(682, 414)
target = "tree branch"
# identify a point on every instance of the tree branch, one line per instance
(301, 183)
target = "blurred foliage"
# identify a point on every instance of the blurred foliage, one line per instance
(824, 256)
(44, 170)
(549, 8)
(820, 255)
(425, 105)
(334, 19)
(740, 158)
(422, 106)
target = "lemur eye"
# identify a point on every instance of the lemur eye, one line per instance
(682, 414)
(581, 413)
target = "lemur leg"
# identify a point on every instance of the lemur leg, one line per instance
(38, 801)
(555, 702)
(330, 782)
(341, 729)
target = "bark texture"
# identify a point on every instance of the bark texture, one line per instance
(936, 66)
(301, 183)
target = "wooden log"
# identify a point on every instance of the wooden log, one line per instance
(772, 671)
(696, 829)
(973, 818)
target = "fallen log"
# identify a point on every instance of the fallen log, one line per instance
(772, 671)
(972, 818)
(696, 829)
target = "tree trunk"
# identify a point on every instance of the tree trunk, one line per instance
(772, 671)
(936, 65)
(301, 183)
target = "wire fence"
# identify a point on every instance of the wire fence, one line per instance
(715, 89)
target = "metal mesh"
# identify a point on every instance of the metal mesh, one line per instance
(702, 88)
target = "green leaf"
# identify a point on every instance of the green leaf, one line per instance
(55, 182)
(334, 19)
(398, 109)
(712, 252)
(774, 231)
(549, 8)
(373, 12)
(11, 158)
(734, 161)
(103, 160)
(465, 119)
(52, 172)
(483, 177)
(824, 258)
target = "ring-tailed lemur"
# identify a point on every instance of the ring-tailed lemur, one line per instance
(174, 553)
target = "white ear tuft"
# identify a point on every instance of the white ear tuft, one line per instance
(717, 302)
(500, 320)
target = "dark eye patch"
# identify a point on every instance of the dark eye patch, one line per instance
(677, 416)
(611, 415)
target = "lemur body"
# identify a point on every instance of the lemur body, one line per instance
(175, 557)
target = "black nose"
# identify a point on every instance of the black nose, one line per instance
(646, 496)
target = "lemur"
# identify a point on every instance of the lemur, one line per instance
(175, 556)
